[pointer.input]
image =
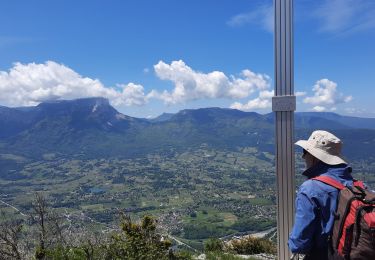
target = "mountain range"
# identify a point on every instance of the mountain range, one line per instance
(91, 128)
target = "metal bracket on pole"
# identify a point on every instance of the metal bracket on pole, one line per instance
(283, 103)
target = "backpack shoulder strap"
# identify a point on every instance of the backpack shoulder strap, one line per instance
(330, 181)
(359, 184)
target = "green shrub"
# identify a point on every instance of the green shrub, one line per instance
(133, 241)
(181, 255)
(138, 241)
(60, 252)
(213, 245)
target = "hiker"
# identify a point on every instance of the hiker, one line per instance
(316, 201)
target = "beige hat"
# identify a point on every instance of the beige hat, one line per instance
(324, 146)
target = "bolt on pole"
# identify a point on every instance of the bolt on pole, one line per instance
(284, 105)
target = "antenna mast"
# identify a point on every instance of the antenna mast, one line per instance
(284, 105)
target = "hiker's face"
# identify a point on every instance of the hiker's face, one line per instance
(309, 160)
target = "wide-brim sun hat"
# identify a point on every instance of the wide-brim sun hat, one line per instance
(324, 146)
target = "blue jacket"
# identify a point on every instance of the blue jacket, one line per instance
(315, 204)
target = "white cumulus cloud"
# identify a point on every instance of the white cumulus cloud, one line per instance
(192, 85)
(300, 94)
(131, 94)
(319, 108)
(325, 93)
(263, 101)
(30, 84)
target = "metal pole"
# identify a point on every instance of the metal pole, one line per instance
(284, 104)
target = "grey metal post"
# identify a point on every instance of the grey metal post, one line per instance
(284, 104)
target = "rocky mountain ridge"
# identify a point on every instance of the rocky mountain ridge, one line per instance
(91, 127)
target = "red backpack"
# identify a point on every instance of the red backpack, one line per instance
(353, 235)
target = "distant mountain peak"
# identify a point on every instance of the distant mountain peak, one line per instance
(98, 102)
(163, 117)
(90, 105)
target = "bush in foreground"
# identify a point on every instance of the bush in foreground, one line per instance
(45, 237)
(138, 241)
(213, 245)
(134, 241)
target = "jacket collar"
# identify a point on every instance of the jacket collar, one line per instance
(340, 170)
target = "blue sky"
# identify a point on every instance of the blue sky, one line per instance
(149, 57)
